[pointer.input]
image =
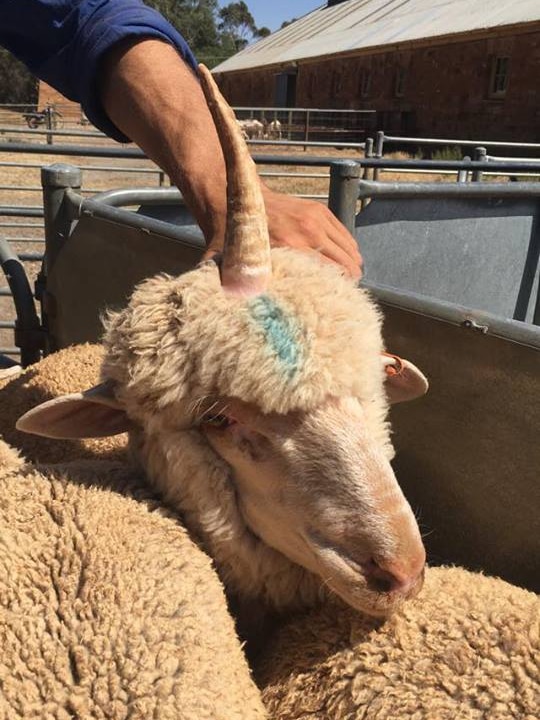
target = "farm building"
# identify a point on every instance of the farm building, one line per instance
(446, 68)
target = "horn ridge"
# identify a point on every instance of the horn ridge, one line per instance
(246, 264)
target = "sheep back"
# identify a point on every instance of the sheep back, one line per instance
(70, 370)
(467, 648)
(107, 609)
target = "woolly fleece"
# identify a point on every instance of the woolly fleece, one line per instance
(107, 609)
(70, 370)
(466, 649)
(313, 334)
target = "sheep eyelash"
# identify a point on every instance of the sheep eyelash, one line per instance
(214, 415)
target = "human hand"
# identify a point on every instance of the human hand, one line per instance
(306, 225)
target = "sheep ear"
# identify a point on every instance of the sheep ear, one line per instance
(90, 414)
(404, 381)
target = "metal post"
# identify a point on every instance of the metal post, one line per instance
(479, 156)
(368, 148)
(343, 191)
(55, 179)
(379, 147)
(49, 122)
(463, 175)
(306, 132)
(368, 153)
(29, 335)
(289, 124)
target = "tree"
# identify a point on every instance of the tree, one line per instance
(237, 22)
(17, 84)
(287, 22)
(263, 32)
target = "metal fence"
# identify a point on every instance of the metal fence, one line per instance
(304, 125)
(277, 126)
(106, 166)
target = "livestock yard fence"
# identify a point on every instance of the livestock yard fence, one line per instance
(297, 165)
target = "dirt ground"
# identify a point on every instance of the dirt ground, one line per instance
(20, 186)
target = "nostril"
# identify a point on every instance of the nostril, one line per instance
(390, 578)
(379, 579)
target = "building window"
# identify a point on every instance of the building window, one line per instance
(311, 85)
(499, 76)
(399, 87)
(337, 83)
(365, 83)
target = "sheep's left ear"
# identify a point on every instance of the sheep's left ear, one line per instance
(404, 381)
(90, 414)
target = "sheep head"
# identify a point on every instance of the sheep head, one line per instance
(269, 366)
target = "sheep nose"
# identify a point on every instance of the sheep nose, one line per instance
(396, 577)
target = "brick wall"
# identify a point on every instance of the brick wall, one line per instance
(442, 90)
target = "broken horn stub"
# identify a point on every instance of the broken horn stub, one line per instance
(246, 266)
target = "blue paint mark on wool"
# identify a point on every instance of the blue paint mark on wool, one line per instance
(281, 332)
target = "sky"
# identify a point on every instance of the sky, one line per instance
(271, 13)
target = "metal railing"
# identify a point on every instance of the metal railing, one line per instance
(15, 220)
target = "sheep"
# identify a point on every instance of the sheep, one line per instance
(255, 393)
(251, 129)
(62, 372)
(466, 649)
(274, 130)
(107, 608)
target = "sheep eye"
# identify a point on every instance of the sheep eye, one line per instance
(217, 421)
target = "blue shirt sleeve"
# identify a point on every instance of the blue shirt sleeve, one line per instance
(63, 42)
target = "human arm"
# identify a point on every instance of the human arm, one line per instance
(174, 127)
(135, 78)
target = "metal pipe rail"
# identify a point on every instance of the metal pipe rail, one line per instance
(445, 190)
(295, 160)
(96, 168)
(67, 133)
(21, 211)
(28, 331)
(449, 141)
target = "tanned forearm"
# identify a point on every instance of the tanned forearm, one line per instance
(154, 98)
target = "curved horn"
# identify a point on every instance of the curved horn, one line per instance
(246, 266)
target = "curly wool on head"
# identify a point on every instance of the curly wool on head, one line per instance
(467, 648)
(311, 335)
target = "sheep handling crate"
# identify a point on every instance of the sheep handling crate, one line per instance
(455, 267)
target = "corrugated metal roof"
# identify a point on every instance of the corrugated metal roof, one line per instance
(360, 24)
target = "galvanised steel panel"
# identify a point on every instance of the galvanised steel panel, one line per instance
(481, 253)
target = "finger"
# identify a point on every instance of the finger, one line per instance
(343, 237)
(334, 252)
(336, 237)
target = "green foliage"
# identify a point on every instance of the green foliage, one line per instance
(17, 84)
(287, 22)
(263, 32)
(213, 34)
(238, 23)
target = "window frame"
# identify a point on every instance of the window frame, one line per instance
(499, 76)
(400, 79)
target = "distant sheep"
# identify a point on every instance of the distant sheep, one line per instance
(466, 649)
(255, 393)
(251, 129)
(274, 130)
(107, 608)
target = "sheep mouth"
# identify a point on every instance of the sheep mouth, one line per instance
(350, 579)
